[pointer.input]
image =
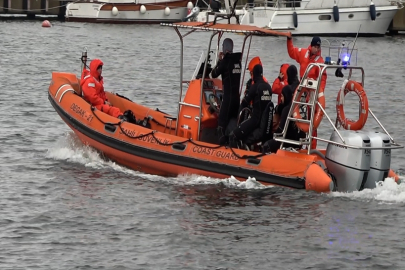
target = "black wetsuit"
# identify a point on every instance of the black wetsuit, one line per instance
(260, 93)
(293, 133)
(230, 70)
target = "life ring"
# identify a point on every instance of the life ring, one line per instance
(318, 114)
(352, 86)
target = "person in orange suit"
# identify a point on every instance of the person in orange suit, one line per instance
(307, 56)
(93, 89)
(280, 81)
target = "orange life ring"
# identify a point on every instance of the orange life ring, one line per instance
(352, 86)
(318, 112)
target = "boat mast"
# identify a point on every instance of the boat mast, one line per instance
(181, 78)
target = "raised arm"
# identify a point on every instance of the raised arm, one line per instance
(293, 52)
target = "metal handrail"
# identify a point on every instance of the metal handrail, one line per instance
(395, 145)
(314, 102)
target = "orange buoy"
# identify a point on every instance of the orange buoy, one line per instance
(46, 23)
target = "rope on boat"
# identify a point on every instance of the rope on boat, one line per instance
(152, 133)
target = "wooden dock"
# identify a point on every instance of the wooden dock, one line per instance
(31, 8)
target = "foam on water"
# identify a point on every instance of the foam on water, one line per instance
(387, 191)
(231, 182)
(71, 149)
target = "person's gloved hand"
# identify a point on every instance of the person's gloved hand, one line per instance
(266, 147)
(233, 140)
(222, 138)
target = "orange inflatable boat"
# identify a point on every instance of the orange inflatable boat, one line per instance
(186, 143)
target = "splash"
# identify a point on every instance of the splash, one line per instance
(387, 191)
(230, 182)
(69, 148)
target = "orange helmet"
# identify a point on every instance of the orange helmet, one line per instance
(255, 61)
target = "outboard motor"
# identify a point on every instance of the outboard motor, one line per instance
(349, 166)
(380, 160)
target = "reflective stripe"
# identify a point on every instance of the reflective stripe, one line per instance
(64, 92)
(86, 77)
(316, 58)
(91, 85)
(306, 54)
(57, 92)
(299, 49)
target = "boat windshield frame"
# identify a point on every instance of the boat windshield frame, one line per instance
(216, 29)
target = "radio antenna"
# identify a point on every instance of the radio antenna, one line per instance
(354, 44)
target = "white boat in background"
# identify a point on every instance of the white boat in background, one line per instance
(208, 12)
(209, 15)
(323, 17)
(127, 11)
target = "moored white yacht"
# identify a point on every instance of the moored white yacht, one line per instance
(205, 11)
(323, 17)
(127, 11)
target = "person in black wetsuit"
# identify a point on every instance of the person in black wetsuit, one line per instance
(293, 132)
(260, 93)
(229, 67)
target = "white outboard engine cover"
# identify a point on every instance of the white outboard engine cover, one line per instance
(380, 160)
(349, 166)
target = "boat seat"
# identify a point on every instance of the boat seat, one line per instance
(77, 88)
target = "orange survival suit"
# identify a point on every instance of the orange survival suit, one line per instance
(304, 58)
(278, 83)
(93, 89)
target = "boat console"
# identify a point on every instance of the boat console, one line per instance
(190, 124)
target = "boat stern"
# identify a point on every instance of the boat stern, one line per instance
(317, 179)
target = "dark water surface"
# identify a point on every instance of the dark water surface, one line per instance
(63, 206)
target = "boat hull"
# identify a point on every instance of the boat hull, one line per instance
(154, 13)
(166, 154)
